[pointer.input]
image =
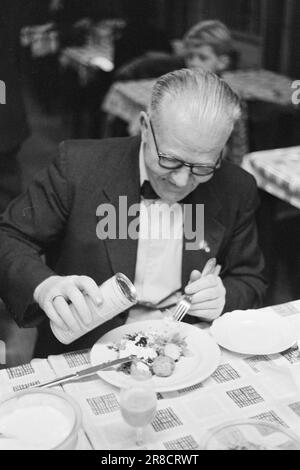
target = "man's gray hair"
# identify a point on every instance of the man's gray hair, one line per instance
(202, 95)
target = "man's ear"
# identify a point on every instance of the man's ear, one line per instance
(224, 62)
(144, 125)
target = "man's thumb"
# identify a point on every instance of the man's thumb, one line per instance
(195, 275)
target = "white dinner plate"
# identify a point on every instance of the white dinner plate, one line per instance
(257, 332)
(202, 361)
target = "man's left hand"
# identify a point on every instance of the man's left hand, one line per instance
(208, 296)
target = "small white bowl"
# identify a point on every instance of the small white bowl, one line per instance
(39, 419)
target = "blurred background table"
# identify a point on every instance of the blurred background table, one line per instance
(125, 100)
(98, 50)
(261, 85)
(86, 59)
(86, 71)
(277, 173)
(41, 39)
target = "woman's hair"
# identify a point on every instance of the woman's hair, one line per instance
(211, 33)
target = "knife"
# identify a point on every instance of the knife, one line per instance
(86, 372)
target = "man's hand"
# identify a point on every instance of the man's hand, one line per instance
(208, 296)
(55, 294)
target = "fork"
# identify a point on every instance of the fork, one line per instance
(182, 307)
(186, 300)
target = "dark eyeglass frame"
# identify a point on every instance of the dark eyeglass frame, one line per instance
(207, 170)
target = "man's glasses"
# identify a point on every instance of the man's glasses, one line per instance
(172, 163)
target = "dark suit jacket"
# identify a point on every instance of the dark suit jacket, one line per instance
(13, 124)
(57, 215)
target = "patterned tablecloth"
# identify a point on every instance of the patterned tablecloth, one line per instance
(126, 99)
(261, 85)
(277, 172)
(263, 388)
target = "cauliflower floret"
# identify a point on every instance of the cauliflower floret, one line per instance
(130, 348)
(173, 351)
(140, 370)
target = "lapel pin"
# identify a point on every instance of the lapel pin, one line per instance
(203, 245)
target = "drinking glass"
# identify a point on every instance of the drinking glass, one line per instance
(138, 404)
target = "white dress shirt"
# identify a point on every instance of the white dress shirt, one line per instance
(159, 254)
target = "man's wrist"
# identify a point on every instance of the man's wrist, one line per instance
(39, 288)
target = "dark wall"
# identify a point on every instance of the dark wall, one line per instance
(294, 67)
(273, 34)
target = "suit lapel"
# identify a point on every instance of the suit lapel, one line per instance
(124, 181)
(213, 231)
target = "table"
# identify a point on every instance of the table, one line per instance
(97, 53)
(86, 77)
(262, 85)
(42, 39)
(277, 172)
(266, 388)
(87, 59)
(126, 99)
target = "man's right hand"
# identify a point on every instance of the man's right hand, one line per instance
(55, 294)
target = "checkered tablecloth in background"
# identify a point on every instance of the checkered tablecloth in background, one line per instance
(277, 172)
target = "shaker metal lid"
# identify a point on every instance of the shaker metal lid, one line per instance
(126, 287)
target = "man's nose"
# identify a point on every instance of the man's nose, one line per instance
(181, 176)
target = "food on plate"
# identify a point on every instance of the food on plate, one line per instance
(140, 370)
(173, 351)
(163, 366)
(158, 352)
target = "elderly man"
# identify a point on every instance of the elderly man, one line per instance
(179, 156)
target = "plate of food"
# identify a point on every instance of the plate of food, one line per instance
(176, 354)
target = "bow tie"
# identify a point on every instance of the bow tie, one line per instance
(147, 191)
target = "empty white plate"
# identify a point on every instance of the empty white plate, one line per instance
(257, 332)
